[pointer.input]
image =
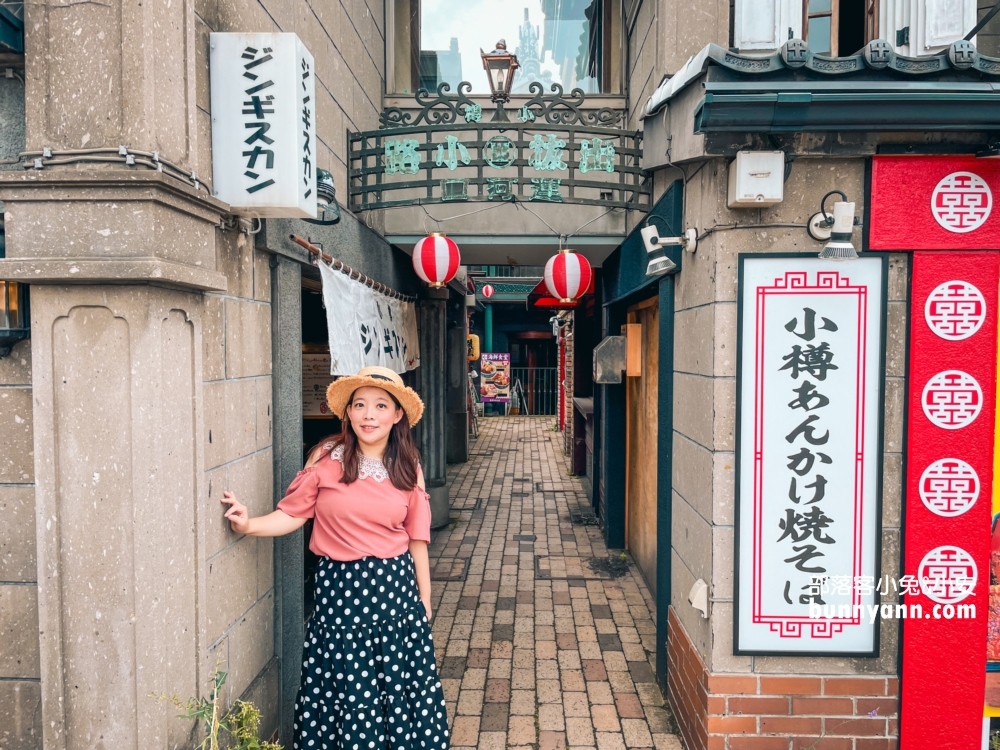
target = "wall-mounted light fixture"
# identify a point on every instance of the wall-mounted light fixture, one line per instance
(835, 229)
(327, 209)
(659, 263)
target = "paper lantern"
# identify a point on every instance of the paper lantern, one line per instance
(488, 291)
(568, 276)
(436, 259)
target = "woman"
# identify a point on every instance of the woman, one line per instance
(369, 680)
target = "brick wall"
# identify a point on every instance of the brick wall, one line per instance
(774, 711)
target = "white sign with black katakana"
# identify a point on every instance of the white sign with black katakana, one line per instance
(263, 124)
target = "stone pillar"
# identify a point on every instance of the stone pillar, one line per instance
(289, 551)
(488, 328)
(433, 342)
(458, 388)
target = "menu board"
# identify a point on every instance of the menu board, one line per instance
(494, 378)
(316, 379)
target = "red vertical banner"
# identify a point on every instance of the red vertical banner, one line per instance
(949, 479)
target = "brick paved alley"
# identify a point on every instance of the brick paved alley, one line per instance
(537, 646)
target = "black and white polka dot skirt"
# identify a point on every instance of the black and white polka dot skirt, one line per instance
(369, 681)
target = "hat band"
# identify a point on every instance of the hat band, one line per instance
(381, 377)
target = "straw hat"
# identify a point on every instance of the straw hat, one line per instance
(341, 389)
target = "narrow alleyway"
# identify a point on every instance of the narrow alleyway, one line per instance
(539, 644)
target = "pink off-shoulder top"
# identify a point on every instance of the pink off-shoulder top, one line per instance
(367, 518)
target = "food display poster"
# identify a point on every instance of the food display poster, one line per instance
(315, 380)
(494, 378)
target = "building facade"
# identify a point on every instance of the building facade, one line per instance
(167, 333)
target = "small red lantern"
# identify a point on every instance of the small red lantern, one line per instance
(488, 291)
(436, 259)
(568, 276)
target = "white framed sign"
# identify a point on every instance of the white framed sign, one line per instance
(263, 124)
(809, 448)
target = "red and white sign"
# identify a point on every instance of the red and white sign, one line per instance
(809, 386)
(934, 203)
(949, 459)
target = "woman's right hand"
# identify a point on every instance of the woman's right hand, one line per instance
(238, 515)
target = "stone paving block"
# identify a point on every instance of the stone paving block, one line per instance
(579, 732)
(550, 718)
(551, 741)
(524, 661)
(610, 741)
(465, 732)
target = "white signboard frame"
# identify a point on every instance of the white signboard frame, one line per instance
(263, 124)
(810, 389)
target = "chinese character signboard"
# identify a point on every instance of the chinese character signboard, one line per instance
(367, 327)
(494, 377)
(809, 387)
(263, 124)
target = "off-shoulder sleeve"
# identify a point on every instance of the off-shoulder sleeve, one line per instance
(418, 516)
(300, 498)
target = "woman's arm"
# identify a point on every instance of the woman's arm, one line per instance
(421, 563)
(273, 524)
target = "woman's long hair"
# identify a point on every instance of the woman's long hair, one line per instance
(401, 456)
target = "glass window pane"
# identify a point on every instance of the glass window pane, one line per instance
(556, 41)
(820, 6)
(819, 35)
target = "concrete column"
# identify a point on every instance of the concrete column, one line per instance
(286, 346)
(458, 389)
(432, 310)
(488, 325)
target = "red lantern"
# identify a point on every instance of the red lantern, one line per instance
(488, 291)
(568, 276)
(436, 259)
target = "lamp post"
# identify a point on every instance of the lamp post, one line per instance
(500, 66)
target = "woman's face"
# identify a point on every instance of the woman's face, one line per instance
(372, 414)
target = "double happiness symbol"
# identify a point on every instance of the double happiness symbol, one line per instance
(952, 399)
(961, 202)
(955, 310)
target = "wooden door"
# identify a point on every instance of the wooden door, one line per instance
(641, 408)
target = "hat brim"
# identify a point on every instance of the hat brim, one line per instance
(340, 391)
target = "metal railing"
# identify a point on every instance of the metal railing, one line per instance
(541, 389)
(502, 272)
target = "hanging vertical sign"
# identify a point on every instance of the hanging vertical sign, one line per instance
(809, 386)
(494, 377)
(263, 124)
(367, 327)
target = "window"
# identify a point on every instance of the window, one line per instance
(575, 43)
(843, 27)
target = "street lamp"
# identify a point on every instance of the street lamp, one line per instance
(500, 66)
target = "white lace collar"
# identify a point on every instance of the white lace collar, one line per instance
(368, 468)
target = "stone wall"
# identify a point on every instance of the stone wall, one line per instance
(146, 389)
(20, 695)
